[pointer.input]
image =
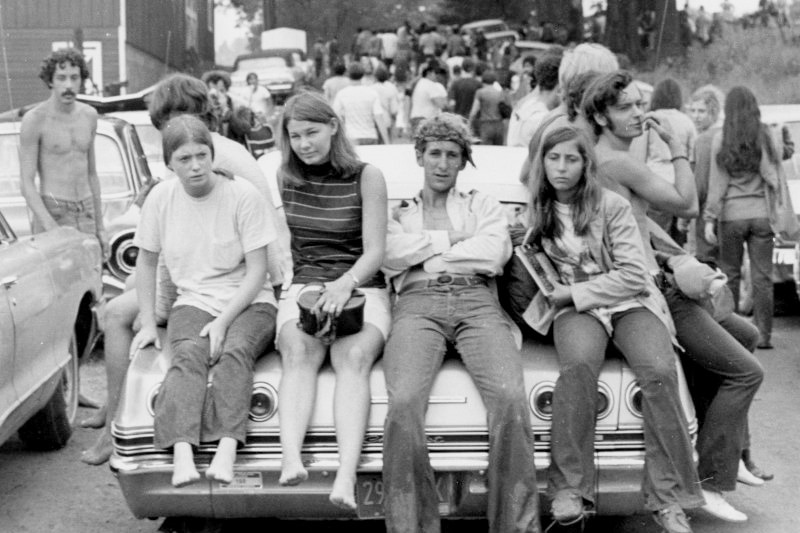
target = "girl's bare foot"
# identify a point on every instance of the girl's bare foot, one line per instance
(221, 468)
(100, 450)
(97, 420)
(343, 493)
(293, 473)
(185, 472)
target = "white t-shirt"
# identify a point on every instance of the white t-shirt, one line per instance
(258, 100)
(525, 120)
(422, 98)
(359, 108)
(204, 240)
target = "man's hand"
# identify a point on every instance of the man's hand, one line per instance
(710, 233)
(146, 336)
(663, 129)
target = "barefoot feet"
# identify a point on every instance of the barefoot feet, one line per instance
(184, 471)
(100, 450)
(343, 493)
(293, 472)
(97, 420)
(221, 468)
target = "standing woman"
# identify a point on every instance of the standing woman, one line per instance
(213, 231)
(336, 208)
(743, 168)
(604, 294)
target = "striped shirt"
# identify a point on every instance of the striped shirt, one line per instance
(324, 217)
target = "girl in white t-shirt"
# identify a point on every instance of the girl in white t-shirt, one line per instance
(213, 231)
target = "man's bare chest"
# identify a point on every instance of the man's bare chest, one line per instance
(66, 137)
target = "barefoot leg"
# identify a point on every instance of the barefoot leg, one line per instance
(101, 450)
(96, 420)
(185, 471)
(221, 468)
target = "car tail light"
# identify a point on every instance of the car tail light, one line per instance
(633, 399)
(263, 402)
(541, 400)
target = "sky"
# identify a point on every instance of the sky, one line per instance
(740, 7)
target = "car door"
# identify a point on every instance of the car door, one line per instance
(28, 291)
(8, 395)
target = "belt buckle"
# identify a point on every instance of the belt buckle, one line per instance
(445, 279)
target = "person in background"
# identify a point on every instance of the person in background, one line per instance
(738, 209)
(336, 208)
(486, 111)
(442, 251)
(258, 98)
(429, 96)
(219, 83)
(224, 316)
(529, 112)
(462, 91)
(337, 82)
(389, 98)
(359, 109)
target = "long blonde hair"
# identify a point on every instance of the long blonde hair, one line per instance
(542, 212)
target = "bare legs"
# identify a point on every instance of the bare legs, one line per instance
(221, 468)
(352, 358)
(183, 463)
(120, 315)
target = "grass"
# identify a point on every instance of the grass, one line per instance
(758, 58)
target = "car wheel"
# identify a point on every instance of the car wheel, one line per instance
(51, 427)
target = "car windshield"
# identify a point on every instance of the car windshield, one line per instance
(260, 63)
(9, 170)
(151, 142)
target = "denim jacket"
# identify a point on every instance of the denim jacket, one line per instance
(615, 243)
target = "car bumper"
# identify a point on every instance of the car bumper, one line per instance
(145, 483)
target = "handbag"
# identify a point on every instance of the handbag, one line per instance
(782, 215)
(325, 326)
(505, 109)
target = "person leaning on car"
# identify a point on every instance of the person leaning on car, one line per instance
(442, 251)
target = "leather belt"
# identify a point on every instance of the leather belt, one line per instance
(446, 280)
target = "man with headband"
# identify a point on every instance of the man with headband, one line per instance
(57, 141)
(443, 250)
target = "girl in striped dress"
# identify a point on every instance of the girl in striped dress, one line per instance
(336, 209)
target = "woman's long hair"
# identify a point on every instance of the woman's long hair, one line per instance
(666, 95)
(542, 212)
(743, 135)
(312, 107)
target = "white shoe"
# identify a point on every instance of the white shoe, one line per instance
(717, 506)
(747, 477)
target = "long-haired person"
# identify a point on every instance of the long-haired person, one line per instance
(743, 170)
(213, 231)
(336, 209)
(604, 294)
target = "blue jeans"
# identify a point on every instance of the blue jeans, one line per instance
(425, 321)
(192, 408)
(581, 341)
(758, 235)
(737, 375)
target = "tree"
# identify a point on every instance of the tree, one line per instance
(565, 17)
(624, 17)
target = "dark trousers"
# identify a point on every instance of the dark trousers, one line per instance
(192, 408)
(738, 374)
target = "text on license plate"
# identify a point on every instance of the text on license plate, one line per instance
(244, 480)
(370, 494)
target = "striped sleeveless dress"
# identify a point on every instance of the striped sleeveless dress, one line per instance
(324, 218)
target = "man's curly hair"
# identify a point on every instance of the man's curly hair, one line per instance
(61, 57)
(445, 127)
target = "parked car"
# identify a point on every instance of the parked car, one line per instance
(123, 171)
(529, 48)
(456, 420)
(281, 70)
(487, 25)
(50, 292)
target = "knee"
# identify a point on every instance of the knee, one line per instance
(119, 313)
(300, 356)
(660, 372)
(354, 360)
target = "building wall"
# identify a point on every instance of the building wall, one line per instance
(144, 70)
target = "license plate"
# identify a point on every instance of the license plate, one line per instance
(244, 480)
(370, 494)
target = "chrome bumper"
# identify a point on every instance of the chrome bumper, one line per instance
(145, 483)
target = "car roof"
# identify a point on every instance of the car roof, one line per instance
(780, 113)
(137, 118)
(481, 23)
(496, 172)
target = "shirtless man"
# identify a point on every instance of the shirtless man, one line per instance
(57, 141)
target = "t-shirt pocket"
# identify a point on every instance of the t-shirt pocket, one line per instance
(226, 255)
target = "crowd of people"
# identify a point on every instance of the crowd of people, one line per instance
(611, 186)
